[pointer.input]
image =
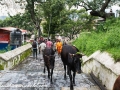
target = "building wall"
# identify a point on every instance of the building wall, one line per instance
(4, 39)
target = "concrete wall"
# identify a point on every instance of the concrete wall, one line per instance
(103, 67)
(12, 58)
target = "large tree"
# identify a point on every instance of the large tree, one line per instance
(61, 17)
(35, 12)
(52, 14)
(97, 7)
(22, 21)
(75, 22)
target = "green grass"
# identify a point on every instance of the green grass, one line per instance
(108, 40)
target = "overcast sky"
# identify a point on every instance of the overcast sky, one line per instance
(14, 8)
(9, 6)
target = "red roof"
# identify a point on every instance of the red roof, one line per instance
(12, 28)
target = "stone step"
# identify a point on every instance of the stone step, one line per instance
(81, 88)
(29, 76)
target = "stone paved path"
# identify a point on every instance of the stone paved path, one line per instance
(29, 76)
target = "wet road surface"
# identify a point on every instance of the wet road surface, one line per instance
(29, 76)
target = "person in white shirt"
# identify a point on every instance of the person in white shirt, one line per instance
(42, 47)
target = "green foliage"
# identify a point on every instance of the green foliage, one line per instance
(45, 35)
(1, 67)
(22, 21)
(75, 22)
(115, 53)
(63, 20)
(52, 14)
(96, 7)
(89, 42)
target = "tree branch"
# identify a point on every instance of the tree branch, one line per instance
(84, 4)
(85, 7)
(104, 5)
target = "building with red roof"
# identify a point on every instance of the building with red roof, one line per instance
(5, 35)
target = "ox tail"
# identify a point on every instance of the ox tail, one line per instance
(47, 61)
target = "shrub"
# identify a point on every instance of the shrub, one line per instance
(108, 41)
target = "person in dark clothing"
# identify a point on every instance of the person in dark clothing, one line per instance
(34, 47)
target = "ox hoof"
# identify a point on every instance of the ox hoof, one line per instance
(71, 88)
(48, 77)
(74, 84)
(65, 78)
(51, 82)
(67, 72)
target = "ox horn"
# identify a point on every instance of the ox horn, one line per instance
(46, 56)
(52, 55)
(71, 54)
(80, 53)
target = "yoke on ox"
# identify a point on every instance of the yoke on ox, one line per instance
(71, 58)
(49, 59)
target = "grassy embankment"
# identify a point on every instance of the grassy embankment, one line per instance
(104, 40)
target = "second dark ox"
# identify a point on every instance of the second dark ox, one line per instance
(49, 60)
(71, 58)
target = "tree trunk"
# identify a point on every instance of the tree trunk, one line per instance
(98, 13)
(39, 31)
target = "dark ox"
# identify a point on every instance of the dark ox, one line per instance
(117, 84)
(71, 59)
(49, 60)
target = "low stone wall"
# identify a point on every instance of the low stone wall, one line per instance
(12, 58)
(103, 67)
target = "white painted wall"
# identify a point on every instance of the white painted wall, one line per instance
(102, 65)
(12, 58)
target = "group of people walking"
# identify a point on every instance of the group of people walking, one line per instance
(40, 45)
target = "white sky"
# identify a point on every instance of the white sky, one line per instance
(9, 6)
(13, 8)
(114, 8)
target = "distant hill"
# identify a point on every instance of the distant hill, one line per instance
(2, 17)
